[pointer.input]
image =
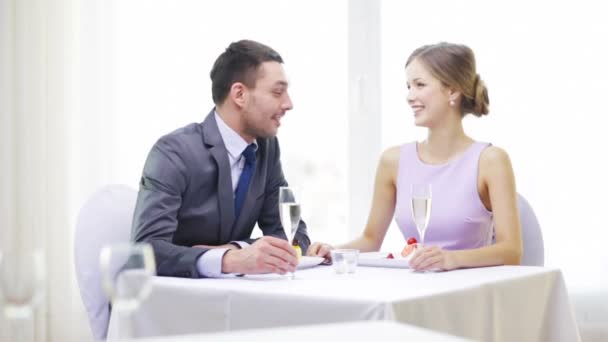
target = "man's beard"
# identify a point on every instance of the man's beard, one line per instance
(252, 128)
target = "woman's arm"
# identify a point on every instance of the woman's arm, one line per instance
(383, 208)
(496, 172)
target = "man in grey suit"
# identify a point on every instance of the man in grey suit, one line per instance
(204, 186)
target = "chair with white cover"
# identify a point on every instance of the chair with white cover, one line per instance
(532, 236)
(104, 219)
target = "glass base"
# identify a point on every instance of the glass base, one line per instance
(125, 305)
(18, 311)
(20, 323)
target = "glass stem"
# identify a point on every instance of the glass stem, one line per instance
(126, 329)
(127, 319)
(21, 329)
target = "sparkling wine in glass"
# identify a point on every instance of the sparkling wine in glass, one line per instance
(289, 212)
(421, 207)
(126, 273)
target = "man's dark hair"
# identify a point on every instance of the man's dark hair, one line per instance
(239, 63)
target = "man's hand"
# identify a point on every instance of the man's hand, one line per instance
(320, 249)
(267, 255)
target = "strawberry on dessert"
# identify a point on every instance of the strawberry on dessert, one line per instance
(409, 248)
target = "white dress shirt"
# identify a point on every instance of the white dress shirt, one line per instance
(210, 263)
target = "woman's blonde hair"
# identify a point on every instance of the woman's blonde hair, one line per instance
(454, 66)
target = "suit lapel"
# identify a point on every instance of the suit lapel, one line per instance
(212, 138)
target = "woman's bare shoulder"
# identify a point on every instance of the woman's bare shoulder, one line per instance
(390, 157)
(493, 159)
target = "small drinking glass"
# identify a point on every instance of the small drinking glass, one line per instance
(345, 260)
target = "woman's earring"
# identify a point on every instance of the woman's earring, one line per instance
(452, 103)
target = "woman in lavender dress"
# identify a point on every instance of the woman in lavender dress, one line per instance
(473, 186)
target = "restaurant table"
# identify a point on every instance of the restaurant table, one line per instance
(350, 331)
(503, 303)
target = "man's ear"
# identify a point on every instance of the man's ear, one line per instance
(238, 94)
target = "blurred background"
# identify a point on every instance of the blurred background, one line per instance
(86, 88)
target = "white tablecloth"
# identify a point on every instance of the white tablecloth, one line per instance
(351, 331)
(507, 303)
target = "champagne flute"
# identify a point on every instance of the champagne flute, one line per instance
(21, 289)
(126, 272)
(289, 212)
(421, 208)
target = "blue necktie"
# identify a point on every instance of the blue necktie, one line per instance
(241, 188)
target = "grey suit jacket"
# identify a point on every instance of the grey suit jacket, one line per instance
(186, 198)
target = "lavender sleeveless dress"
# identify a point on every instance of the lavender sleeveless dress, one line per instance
(458, 220)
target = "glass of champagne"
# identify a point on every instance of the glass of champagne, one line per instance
(421, 208)
(126, 272)
(21, 289)
(289, 212)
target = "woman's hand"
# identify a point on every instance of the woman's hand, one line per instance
(433, 258)
(320, 249)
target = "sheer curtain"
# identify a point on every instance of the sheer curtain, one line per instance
(38, 98)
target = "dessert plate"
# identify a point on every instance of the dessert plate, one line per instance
(379, 259)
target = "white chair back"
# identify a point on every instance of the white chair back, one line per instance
(104, 219)
(532, 236)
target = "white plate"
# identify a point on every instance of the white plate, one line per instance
(309, 261)
(378, 259)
